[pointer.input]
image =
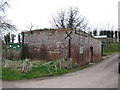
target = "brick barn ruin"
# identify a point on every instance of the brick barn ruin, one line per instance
(52, 44)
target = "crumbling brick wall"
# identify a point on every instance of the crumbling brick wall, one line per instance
(51, 44)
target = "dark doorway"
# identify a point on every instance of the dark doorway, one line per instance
(91, 54)
(102, 49)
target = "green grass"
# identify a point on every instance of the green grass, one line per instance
(38, 71)
(0, 73)
(9, 74)
(35, 72)
(111, 48)
(46, 70)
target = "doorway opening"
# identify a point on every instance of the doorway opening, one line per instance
(91, 54)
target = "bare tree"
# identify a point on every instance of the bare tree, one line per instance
(19, 38)
(13, 38)
(95, 32)
(5, 24)
(7, 38)
(30, 27)
(116, 35)
(69, 19)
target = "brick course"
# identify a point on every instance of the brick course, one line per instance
(51, 44)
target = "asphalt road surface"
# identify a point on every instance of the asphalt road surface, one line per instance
(101, 75)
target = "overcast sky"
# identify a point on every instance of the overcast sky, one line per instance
(99, 13)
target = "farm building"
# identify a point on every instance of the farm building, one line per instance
(104, 39)
(51, 44)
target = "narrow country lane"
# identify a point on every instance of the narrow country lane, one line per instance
(101, 75)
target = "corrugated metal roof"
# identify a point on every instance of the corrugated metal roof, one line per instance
(103, 36)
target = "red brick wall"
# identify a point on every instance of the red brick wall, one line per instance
(51, 44)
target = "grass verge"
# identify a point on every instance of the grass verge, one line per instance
(111, 48)
(0, 73)
(41, 71)
(9, 74)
